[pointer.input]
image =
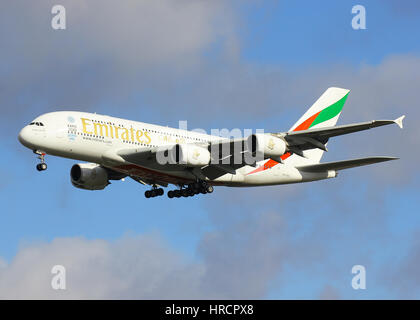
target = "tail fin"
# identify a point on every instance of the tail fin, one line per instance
(323, 113)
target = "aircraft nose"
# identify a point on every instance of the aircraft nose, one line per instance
(24, 136)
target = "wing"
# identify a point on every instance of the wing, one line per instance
(299, 141)
(345, 164)
(227, 156)
(141, 156)
(140, 165)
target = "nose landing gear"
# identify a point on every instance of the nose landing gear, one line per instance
(41, 166)
(41, 156)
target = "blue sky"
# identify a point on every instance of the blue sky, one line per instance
(229, 64)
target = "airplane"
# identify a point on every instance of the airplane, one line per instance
(114, 148)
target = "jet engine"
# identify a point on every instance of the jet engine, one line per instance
(190, 155)
(89, 176)
(266, 144)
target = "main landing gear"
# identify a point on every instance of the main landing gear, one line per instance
(41, 156)
(191, 190)
(155, 192)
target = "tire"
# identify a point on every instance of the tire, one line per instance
(43, 166)
(147, 194)
(38, 167)
(209, 189)
(185, 192)
(160, 192)
(170, 194)
(177, 193)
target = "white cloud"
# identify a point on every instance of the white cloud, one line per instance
(141, 267)
(238, 260)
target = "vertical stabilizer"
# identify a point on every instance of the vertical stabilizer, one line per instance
(323, 113)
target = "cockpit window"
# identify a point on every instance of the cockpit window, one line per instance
(40, 124)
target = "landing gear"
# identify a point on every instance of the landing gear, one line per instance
(41, 166)
(155, 192)
(191, 190)
(202, 187)
(41, 156)
(176, 193)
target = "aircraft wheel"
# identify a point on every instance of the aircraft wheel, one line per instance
(147, 194)
(170, 194)
(184, 192)
(41, 166)
(160, 192)
(203, 190)
(209, 189)
(204, 184)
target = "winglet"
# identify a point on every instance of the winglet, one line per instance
(399, 121)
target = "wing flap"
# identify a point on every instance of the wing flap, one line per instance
(345, 164)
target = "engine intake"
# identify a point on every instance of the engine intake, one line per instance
(89, 176)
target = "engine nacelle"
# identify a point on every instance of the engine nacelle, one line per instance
(190, 155)
(266, 144)
(89, 176)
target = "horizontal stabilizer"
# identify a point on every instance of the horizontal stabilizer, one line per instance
(345, 164)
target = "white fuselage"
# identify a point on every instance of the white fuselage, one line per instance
(97, 138)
